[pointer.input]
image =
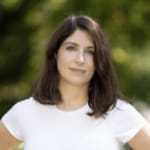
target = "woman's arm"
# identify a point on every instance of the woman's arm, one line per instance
(7, 141)
(141, 141)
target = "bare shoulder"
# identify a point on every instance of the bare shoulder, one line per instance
(141, 141)
(7, 141)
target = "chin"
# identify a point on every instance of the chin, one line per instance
(77, 83)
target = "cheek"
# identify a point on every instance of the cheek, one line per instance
(63, 57)
(62, 61)
(92, 66)
(92, 70)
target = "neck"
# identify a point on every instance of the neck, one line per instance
(73, 96)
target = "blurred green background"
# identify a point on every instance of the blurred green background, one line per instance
(25, 28)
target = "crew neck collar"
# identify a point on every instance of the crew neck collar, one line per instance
(83, 108)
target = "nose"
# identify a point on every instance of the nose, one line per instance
(80, 56)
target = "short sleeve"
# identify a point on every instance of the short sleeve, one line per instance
(13, 121)
(125, 121)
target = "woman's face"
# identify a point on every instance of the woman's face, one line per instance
(75, 59)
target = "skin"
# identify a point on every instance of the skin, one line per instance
(7, 141)
(76, 68)
(141, 140)
(75, 60)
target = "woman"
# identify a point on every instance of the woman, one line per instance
(76, 103)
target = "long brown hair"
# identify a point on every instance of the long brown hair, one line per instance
(103, 91)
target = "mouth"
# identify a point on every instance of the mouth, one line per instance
(77, 70)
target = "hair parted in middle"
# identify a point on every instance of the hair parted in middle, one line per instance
(103, 90)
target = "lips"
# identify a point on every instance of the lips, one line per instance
(77, 70)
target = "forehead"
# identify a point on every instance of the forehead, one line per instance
(80, 37)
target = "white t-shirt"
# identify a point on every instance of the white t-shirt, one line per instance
(46, 127)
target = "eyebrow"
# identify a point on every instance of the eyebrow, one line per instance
(76, 44)
(73, 43)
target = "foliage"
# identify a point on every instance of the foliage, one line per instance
(25, 27)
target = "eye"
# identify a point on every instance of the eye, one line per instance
(90, 51)
(70, 47)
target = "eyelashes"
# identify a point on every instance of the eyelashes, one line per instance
(91, 52)
(86, 51)
(71, 48)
